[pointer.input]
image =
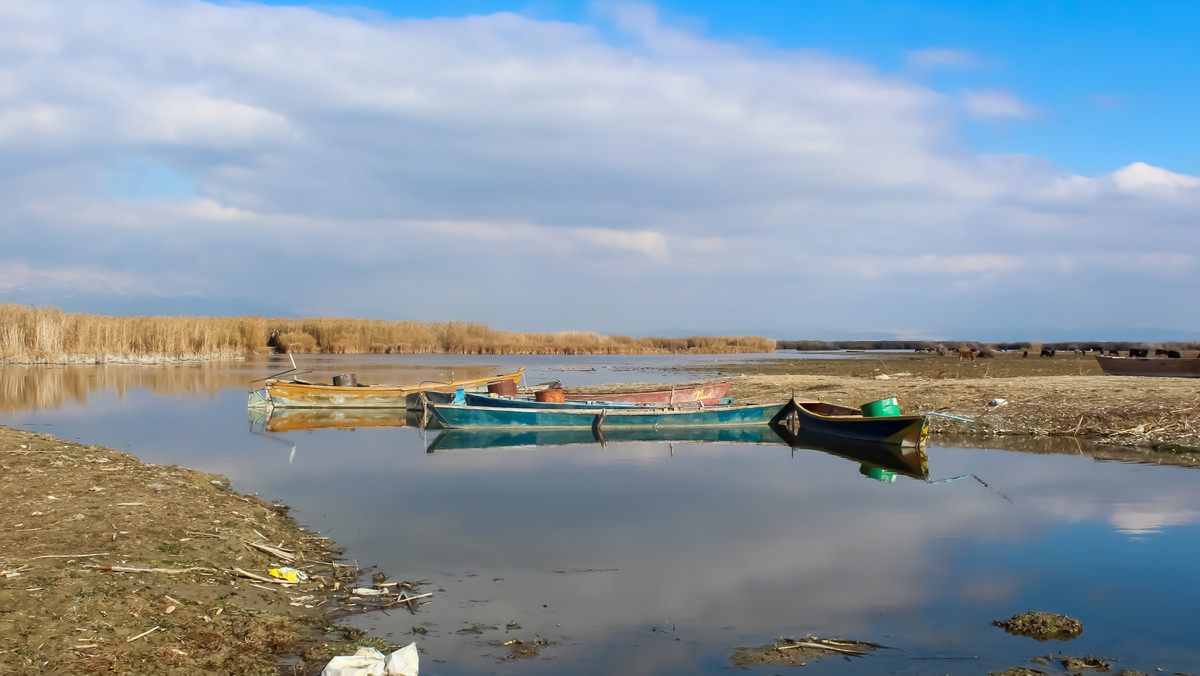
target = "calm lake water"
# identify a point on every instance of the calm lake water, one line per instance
(662, 558)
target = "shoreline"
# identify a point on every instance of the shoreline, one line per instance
(110, 564)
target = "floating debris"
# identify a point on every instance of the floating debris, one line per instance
(793, 652)
(520, 649)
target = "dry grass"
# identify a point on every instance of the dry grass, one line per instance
(48, 335)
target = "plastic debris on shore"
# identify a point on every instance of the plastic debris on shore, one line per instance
(371, 662)
(997, 402)
(289, 574)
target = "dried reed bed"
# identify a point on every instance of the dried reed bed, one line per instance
(48, 335)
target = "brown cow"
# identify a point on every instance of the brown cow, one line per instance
(966, 353)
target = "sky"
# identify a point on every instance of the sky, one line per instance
(799, 170)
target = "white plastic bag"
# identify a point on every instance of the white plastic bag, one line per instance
(365, 662)
(403, 662)
(371, 662)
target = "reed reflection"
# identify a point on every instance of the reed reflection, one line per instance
(25, 388)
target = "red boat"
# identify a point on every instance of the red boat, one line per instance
(708, 394)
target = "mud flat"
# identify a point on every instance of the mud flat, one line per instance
(1064, 396)
(112, 565)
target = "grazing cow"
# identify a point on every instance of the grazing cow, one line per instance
(1047, 352)
(1114, 353)
(1024, 354)
(966, 353)
(1139, 353)
(1173, 354)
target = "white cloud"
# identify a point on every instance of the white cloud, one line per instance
(18, 275)
(925, 59)
(1141, 177)
(994, 104)
(658, 159)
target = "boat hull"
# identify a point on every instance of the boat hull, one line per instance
(708, 395)
(904, 430)
(1161, 367)
(293, 394)
(452, 416)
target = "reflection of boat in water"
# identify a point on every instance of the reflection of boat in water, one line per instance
(482, 438)
(877, 458)
(301, 419)
(879, 461)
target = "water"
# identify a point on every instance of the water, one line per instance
(656, 557)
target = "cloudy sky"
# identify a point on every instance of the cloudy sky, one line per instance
(992, 171)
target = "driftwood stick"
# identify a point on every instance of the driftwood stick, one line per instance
(280, 553)
(274, 589)
(260, 578)
(168, 571)
(68, 556)
(131, 639)
(820, 646)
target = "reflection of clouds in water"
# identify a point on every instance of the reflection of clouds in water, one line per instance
(1151, 516)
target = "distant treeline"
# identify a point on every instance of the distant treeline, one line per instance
(935, 345)
(49, 335)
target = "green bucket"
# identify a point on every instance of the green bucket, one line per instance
(881, 408)
(887, 476)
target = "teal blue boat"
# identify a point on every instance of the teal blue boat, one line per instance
(492, 437)
(453, 416)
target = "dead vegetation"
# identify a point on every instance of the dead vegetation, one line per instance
(797, 652)
(1042, 626)
(48, 335)
(110, 565)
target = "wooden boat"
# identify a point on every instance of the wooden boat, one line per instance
(484, 438)
(452, 416)
(479, 399)
(876, 459)
(850, 423)
(300, 394)
(709, 394)
(1166, 367)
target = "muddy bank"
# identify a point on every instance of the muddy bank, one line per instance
(1065, 396)
(111, 565)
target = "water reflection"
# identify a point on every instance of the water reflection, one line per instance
(882, 462)
(277, 420)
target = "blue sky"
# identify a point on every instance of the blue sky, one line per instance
(993, 171)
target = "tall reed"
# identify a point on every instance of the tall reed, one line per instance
(49, 335)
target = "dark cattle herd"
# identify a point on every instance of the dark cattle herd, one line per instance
(971, 352)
